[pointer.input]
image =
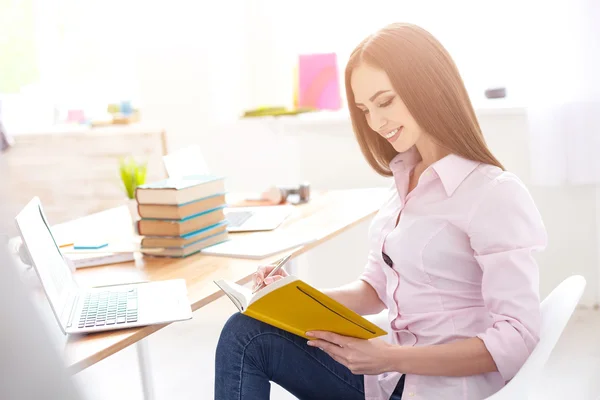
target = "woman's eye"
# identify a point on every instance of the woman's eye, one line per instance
(387, 103)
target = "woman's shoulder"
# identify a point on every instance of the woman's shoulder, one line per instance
(493, 184)
(499, 187)
(490, 176)
(504, 202)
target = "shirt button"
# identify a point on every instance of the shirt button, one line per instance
(411, 394)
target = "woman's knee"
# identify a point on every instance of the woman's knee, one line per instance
(238, 329)
(237, 334)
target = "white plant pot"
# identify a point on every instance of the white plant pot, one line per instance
(133, 210)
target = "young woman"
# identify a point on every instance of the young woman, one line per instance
(450, 251)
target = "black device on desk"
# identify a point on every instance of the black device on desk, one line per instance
(296, 194)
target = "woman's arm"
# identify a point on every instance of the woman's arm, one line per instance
(462, 358)
(372, 357)
(504, 231)
(358, 296)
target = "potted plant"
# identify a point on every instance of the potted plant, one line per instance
(133, 174)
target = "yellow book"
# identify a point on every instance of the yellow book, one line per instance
(296, 307)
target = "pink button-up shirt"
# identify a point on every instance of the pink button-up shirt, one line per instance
(462, 268)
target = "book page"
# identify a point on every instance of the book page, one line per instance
(239, 295)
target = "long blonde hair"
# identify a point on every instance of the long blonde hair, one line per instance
(426, 78)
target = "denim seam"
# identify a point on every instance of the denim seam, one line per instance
(295, 344)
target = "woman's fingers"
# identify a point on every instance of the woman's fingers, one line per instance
(261, 275)
(272, 279)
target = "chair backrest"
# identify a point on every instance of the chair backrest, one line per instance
(557, 309)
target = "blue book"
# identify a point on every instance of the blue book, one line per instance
(189, 249)
(177, 191)
(167, 227)
(183, 240)
(181, 211)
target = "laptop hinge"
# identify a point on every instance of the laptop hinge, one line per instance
(72, 313)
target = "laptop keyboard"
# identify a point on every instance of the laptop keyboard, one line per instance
(237, 218)
(109, 308)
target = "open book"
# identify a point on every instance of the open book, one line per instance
(296, 307)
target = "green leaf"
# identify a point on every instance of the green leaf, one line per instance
(133, 174)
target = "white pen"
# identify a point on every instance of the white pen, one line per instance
(280, 264)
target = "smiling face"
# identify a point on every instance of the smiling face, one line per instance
(383, 108)
(401, 77)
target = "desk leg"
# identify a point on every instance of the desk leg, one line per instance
(145, 370)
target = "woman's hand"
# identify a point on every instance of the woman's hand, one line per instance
(260, 277)
(362, 357)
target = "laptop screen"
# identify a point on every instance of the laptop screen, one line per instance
(185, 162)
(53, 271)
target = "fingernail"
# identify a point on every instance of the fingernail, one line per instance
(310, 343)
(309, 334)
(268, 281)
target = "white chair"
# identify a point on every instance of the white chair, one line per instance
(557, 309)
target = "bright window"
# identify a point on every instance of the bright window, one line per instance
(18, 52)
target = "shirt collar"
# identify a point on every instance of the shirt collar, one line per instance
(452, 170)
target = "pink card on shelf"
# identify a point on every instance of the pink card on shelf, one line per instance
(318, 81)
(75, 116)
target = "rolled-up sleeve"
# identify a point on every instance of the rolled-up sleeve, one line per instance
(374, 276)
(505, 231)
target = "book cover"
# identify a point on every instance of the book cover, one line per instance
(188, 249)
(180, 183)
(296, 307)
(188, 238)
(174, 211)
(179, 191)
(162, 227)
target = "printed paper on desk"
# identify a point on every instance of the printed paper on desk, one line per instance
(258, 246)
(92, 260)
(184, 162)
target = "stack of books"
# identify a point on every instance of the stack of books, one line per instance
(182, 216)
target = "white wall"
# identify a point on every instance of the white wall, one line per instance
(195, 77)
(325, 153)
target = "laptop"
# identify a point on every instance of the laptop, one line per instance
(259, 218)
(85, 310)
(190, 161)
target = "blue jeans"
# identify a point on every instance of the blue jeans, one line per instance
(250, 354)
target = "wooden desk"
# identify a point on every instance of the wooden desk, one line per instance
(325, 216)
